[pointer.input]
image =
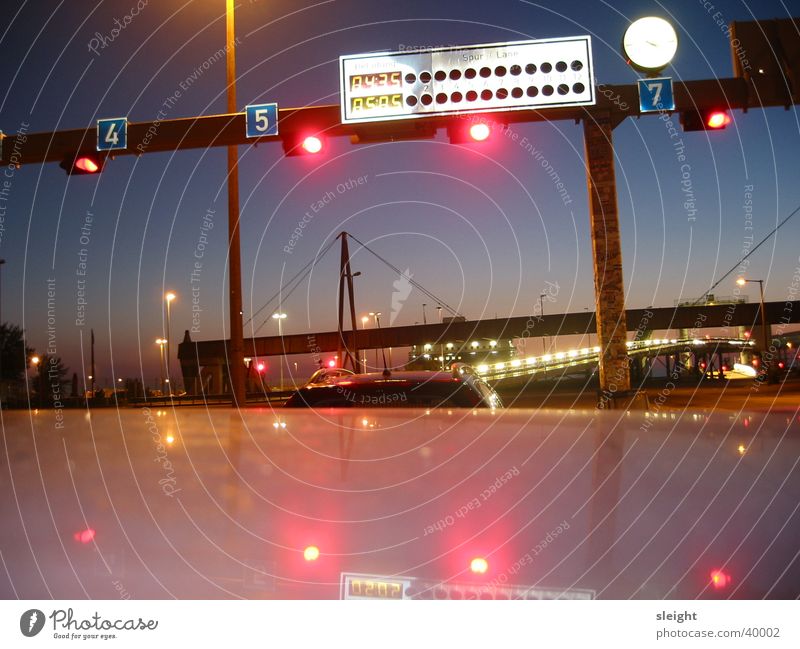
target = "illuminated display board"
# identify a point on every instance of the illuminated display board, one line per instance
(477, 78)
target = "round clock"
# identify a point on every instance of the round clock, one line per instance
(650, 43)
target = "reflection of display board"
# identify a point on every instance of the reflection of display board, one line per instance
(476, 78)
(362, 586)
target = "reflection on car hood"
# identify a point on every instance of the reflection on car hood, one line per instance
(217, 503)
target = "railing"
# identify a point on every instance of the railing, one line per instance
(589, 356)
(253, 398)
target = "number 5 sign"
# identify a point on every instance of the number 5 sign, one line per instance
(112, 133)
(655, 95)
(262, 119)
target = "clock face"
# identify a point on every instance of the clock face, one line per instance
(650, 43)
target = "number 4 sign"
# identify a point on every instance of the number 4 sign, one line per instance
(112, 133)
(655, 95)
(262, 119)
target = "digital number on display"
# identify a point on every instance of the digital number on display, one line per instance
(376, 80)
(376, 102)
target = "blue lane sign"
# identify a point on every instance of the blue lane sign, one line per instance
(112, 133)
(655, 95)
(262, 119)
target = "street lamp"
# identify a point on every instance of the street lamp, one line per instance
(424, 320)
(280, 317)
(169, 296)
(161, 342)
(764, 335)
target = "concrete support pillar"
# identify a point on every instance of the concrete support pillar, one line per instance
(607, 254)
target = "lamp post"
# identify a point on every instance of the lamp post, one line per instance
(377, 317)
(364, 323)
(169, 296)
(236, 370)
(37, 377)
(161, 342)
(424, 320)
(541, 315)
(280, 317)
(764, 331)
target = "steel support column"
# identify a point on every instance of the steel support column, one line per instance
(606, 252)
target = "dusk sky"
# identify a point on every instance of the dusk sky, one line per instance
(482, 226)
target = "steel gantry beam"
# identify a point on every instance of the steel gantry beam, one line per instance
(618, 101)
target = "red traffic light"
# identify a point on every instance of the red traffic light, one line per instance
(466, 131)
(312, 144)
(82, 165)
(303, 144)
(87, 164)
(718, 119)
(480, 131)
(705, 120)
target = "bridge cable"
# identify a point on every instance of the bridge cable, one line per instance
(773, 231)
(305, 270)
(411, 281)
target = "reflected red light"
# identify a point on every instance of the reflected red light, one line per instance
(85, 536)
(87, 164)
(720, 579)
(718, 119)
(747, 334)
(479, 565)
(780, 364)
(331, 363)
(312, 144)
(261, 367)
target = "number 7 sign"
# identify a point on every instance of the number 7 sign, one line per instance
(112, 133)
(655, 95)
